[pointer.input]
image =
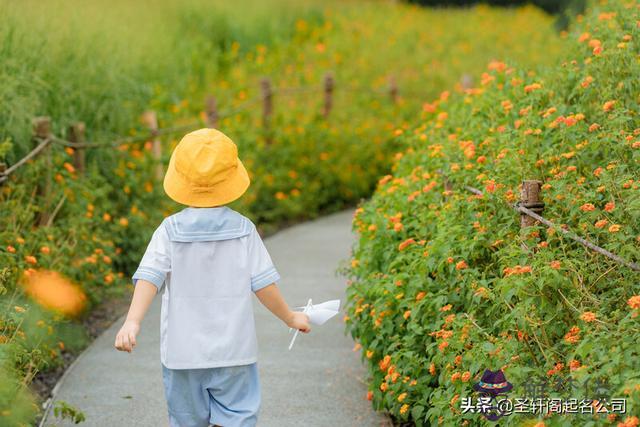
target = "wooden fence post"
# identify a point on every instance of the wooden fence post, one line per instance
(150, 120)
(530, 198)
(41, 131)
(267, 106)
(212, 112)
(328, 94)
(393, 89)
(76, 137)
(447, 185)
(466, 81)
(3, 168)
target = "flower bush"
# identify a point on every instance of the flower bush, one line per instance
(445, 284)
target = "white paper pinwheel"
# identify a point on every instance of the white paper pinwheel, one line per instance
(318, 314)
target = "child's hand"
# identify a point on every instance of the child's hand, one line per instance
(126, 338)
(300, 321)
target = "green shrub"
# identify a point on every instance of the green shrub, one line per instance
(441, 287)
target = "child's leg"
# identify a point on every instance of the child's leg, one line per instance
(187, 396)
(235, 396)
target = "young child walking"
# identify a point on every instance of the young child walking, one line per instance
(208, 259)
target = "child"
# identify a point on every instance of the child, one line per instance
(208, 259)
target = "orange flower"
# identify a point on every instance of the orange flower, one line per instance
(630, 422)
(406, 243)
(369, 395)
(402, 396)
(124, 222)
(601, 223)
(443, 345)
(614, 228)
(372, 227)
(574, 364)
(594, 127)
(31, 259)
(609, 206)
(608, 106)
(397, 226)
(573, 335)
(461, 265)
(597, 171)
(69, 167)
(587, 81)
(45, 250)
(384, 363)
(403, 409)
(587, 207)
(588, 316)
(384, 386)
(466, 376)
(555, 265)
(634, 302)
(432, 369)
(106, 217)
(280, 195)
(11, 249)
(446, 307)
(369, 354)
(532, 87)
(456, 376)
(407, 314)
(420, 295)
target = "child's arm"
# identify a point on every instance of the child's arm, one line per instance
(271, 298)
(143, 294)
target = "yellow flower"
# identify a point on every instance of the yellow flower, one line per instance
(19, 309)
(404, 409)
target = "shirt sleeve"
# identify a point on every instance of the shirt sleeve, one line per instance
(156, 261)
(263, 272)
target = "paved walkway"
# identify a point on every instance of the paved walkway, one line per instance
(319, 383)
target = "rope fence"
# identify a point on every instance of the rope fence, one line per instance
(42, 136)
(530, 207)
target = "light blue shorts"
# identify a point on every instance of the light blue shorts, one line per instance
(228, 396)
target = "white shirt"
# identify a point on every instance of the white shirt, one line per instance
(208, 261)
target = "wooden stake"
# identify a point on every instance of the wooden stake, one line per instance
(393, 89)
(328, 94)
(466, 81)
(267, 106)
(3, 168)
(530, 199)
(212, 112)
(41, 131)
(76, 136)
(150, 119)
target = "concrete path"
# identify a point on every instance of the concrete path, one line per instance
(319, 383)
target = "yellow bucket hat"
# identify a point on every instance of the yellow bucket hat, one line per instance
(205, 171)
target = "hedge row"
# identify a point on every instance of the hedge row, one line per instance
(441, 287)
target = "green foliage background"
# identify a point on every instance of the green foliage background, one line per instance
(105, 65)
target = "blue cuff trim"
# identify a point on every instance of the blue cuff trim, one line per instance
(265, 278)
(150, 275)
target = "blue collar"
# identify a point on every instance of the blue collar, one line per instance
(207, 224)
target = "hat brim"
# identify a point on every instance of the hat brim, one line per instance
(184, 192)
